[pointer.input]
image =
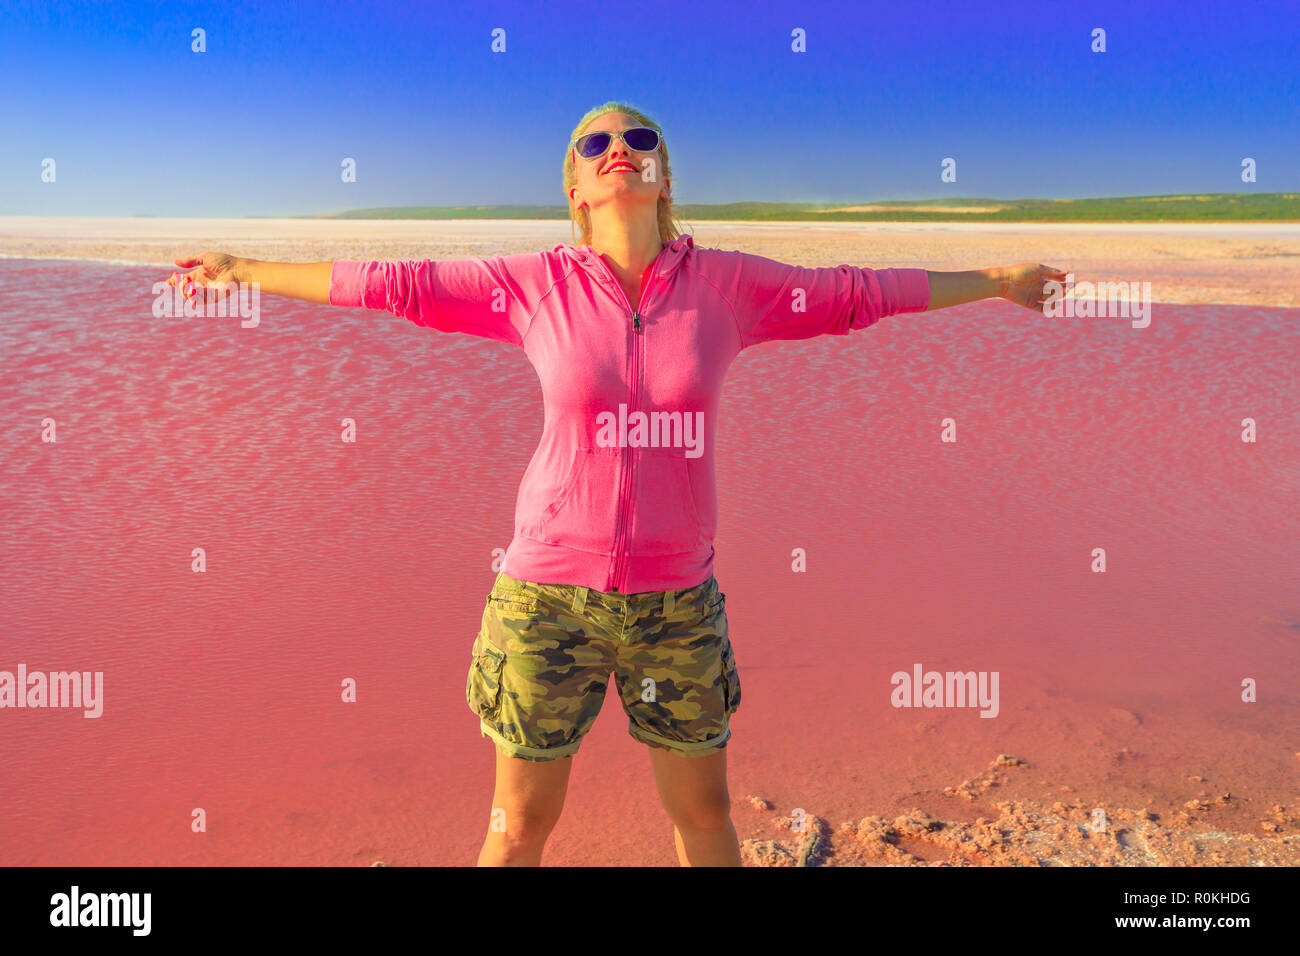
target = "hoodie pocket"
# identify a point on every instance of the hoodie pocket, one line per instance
(664, 520)
(584, 512)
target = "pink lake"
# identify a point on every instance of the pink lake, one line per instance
(371, 561)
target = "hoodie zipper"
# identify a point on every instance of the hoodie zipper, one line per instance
(625, 498)
(624, 505)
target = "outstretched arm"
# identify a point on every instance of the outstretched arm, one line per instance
(1022, 284)
(776, 300)
(491, 298)
(309, 281)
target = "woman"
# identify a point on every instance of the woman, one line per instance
(611, 565)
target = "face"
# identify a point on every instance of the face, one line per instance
(620, 178)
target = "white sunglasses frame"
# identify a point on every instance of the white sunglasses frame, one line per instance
(612, 133)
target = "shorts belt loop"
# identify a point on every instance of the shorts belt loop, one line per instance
(670, 601)
(579, 599)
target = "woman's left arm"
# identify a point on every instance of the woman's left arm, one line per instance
(1022, 284)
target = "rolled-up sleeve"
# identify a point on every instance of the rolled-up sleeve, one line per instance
(776, 300)
(480, 297)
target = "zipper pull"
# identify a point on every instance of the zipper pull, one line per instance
(636, 322)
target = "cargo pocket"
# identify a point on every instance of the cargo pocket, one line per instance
(483, 688)
(730, 679)
(521, 599)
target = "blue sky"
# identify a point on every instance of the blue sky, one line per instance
(258, 125)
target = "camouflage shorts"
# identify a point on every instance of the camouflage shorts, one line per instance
(544, 651)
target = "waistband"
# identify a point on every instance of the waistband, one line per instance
(579, 596)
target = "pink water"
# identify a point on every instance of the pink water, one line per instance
(371, 561)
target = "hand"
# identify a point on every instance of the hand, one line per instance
(215, 269)
(1023, 283)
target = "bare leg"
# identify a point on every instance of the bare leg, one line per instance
(694, 794)
(526, 805)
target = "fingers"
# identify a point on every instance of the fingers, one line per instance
(189, 282)
(1031, 290)
(1038, 298)
(204, 274)
(189, 279)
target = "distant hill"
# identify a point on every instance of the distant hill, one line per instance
(1207, 207)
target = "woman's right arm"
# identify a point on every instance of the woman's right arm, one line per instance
(309, 281)
(491, 298)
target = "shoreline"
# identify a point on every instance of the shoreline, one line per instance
(1254, 264)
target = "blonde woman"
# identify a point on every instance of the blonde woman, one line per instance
(610, 569)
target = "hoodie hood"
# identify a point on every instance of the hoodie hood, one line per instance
(671, 256)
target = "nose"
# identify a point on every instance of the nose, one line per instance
(618, 150)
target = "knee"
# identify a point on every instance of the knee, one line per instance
(523, 827)
(711, 813)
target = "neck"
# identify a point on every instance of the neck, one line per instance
(628, 247)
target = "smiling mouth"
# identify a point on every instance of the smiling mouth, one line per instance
(621, 168)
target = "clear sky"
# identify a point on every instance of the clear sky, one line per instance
(258, 125)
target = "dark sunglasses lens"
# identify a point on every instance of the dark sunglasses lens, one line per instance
(642, 139)
(592, 145)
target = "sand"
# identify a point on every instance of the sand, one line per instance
(1023, 833)
(1191, 263)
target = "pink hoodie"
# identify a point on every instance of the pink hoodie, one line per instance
(620, 494)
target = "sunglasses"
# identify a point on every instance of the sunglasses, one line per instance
(639, 139)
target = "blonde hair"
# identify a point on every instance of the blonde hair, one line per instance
(581, 218)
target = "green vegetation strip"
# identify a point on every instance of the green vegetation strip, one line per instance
(1210, 207)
